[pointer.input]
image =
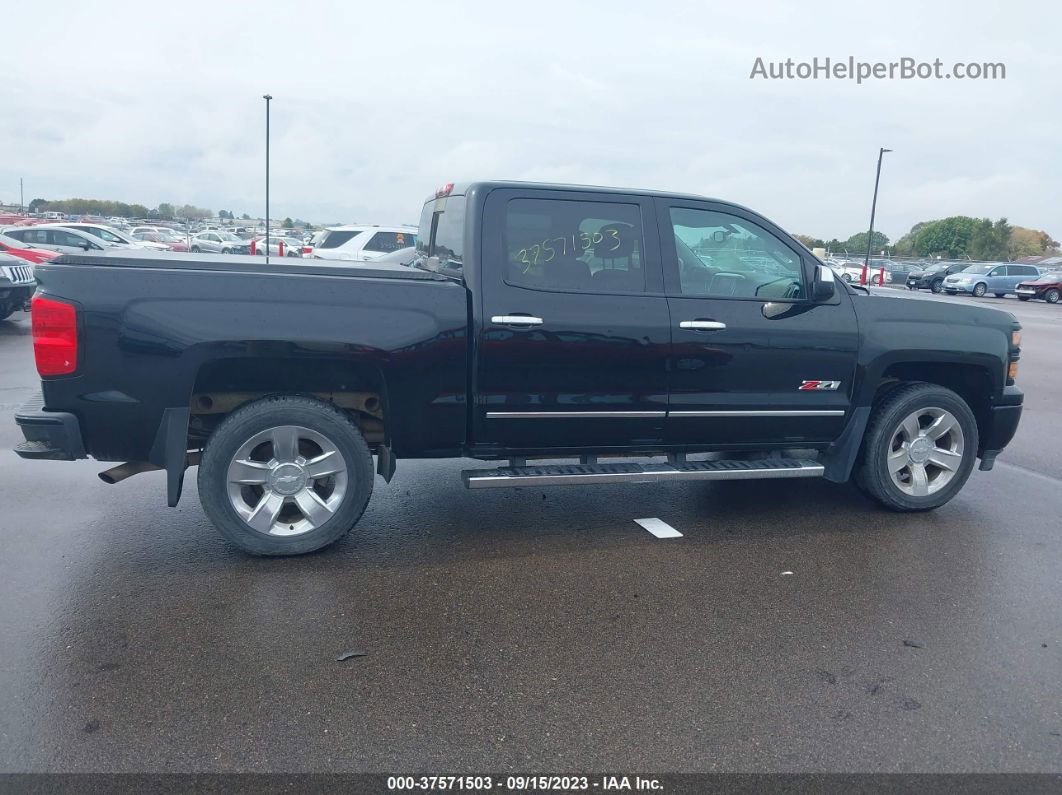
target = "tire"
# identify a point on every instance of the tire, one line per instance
(980, 289)
(937, 286)
(887, 438)
(1052, 295)
(195, 249)
(846, 277)
(876, 279)
(226, 251)
(319, 432)
(1000, 295)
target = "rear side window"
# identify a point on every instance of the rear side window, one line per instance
(334, 238)
(389, 241)
(557, 244)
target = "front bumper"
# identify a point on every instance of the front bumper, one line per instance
(1001, 425)
(18, 294)
(51, 435)
(959, 288)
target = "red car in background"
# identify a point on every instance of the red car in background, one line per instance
(1048, 287)
(16, 248)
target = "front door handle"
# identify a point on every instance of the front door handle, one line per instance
(516, 320)
(702, 325)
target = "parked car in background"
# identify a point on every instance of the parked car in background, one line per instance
(219, 243)
(16, 248)
(1047, 287)
(361, 242)
(167, 238)
(59, 238)
(932, 277)
(293, 247)
(849, 271)
(16, 284)
(114, 237)
(998, 278)
(895, 272)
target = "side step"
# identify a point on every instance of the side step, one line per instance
(572, 474)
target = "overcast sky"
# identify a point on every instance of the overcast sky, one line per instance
(377, 103)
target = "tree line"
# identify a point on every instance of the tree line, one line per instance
(956, 237)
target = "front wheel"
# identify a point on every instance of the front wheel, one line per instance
(195, 249)
(846, 277)
(919, 449)
(1052, 296)
(937, 286)
(980, 290)
(875, 280)
(285, 476)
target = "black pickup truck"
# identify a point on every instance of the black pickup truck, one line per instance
(559, 323)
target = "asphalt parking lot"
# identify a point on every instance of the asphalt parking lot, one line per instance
(794, 626)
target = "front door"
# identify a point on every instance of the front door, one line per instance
(574, 331)
(753, 360)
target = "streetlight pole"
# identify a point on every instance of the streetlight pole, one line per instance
(268, 98)
(21, 197)
(873, 207)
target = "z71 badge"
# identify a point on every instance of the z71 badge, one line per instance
(824, 386)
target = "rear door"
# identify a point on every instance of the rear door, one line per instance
(753, 360)
(574, 331)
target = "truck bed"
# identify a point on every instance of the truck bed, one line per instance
(238, 263)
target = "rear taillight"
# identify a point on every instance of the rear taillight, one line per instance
(54, 336)
(307, 249)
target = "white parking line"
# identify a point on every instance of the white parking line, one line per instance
(659, 529)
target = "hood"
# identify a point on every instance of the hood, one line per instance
(1043, 280)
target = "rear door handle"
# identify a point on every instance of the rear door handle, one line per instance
(702, 325)
(516, 320)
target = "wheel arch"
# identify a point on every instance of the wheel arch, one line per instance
(973, 378)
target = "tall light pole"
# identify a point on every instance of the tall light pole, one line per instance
(21, 197)
(268, 98)
(873, 207)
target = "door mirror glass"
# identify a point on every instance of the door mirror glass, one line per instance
(824, 287)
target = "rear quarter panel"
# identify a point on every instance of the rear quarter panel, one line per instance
(146, 333)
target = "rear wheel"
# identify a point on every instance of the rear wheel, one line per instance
(195, 249)
(1052, 296)
(1000, 295)
(285, 475)
(980, 290)
(919, 448)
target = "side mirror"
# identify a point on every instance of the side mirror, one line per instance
(824, 287)
(85, 245)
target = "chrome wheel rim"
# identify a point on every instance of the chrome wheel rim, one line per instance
(286, 481)
(925, 452)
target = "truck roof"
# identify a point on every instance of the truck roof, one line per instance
(459, 188)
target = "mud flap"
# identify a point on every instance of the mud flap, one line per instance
(170, 451)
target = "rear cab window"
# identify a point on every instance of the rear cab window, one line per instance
(441, 236)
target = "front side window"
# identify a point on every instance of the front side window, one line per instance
(558, 244)
(725, 256)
